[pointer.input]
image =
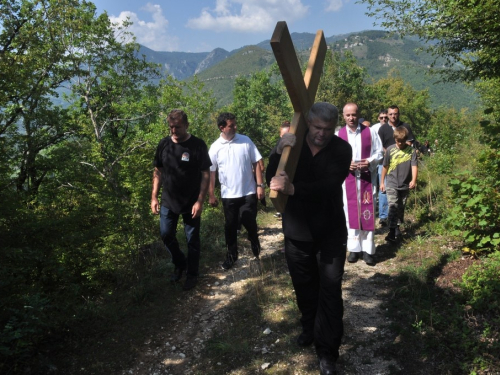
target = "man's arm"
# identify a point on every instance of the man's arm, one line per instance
(155, 206)
(198, 205)
(258, 177)
(377, 152)
(212, 200)
(382, 178)
(414, 173)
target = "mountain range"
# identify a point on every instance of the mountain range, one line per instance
(378, 53)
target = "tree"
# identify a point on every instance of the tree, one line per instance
(343, 81)
(261, 105)
(35, 37)
(413, 104)
(463, 32)
(66, 218)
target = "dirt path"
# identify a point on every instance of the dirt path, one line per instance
(177, 351)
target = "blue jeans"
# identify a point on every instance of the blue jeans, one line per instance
(168, 232)
(383, 205)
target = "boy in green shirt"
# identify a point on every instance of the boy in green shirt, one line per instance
(400, 166)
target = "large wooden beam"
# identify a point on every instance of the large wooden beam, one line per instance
(302, 91)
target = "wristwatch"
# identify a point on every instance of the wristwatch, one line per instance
(263, 185)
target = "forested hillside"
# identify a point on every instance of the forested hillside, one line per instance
(81, 115)
(375, 50)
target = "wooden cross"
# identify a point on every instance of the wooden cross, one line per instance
(301, 91)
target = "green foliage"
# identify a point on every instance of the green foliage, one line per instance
(451, 27)
(481, 284)
(413, 104)
(344, 81)
(261, 105)
(490, 119)
(475, 214)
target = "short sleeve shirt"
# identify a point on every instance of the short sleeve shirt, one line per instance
(234, 160)
(386, 134)
(181, 164)
(399, 163)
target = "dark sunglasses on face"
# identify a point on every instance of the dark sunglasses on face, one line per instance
(383, 118)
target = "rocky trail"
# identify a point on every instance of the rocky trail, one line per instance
(204, 312)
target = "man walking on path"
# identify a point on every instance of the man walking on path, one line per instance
(182, 167)
(383, 206)
(315, 231)
(360, 185)
(386, 131)
(236, 159)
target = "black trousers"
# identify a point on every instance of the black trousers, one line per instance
(242, 209)
(318, 288)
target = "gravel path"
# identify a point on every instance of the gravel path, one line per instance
(177, 351)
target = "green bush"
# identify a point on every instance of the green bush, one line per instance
(475, 214)
(481, 284)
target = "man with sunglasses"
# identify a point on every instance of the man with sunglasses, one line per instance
(383, 206)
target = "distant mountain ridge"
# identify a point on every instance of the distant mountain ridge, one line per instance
(182, 65)
(219, 68)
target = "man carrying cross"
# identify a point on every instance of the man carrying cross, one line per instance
(360, 187)
(315, 231)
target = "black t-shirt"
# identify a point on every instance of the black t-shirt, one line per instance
(181, 165)
(386, 134)
(315, 211)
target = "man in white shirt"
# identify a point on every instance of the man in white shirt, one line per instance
(360, 186)
(236, 159)
(383, 205)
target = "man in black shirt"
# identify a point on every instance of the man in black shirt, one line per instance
(315, 231)
(182, 166)
(386, 131)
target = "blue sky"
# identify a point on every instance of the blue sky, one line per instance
(202, 25)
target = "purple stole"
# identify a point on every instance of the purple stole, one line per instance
(361, 214)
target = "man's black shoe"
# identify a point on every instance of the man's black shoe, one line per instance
(353, 257)
(382, 222)
(368, 259)
(305, 339)
(391, 237)
(327, 366)
(190, 283)
(177, 275)
(256, 251)
(229, 262)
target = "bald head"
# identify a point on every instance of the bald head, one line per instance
(351, 116)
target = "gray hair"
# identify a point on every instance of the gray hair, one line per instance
(324, 111)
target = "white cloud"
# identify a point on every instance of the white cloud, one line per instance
(248, 15)
(334, 5)
(153, 34)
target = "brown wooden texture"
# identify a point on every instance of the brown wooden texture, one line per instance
(302, 91)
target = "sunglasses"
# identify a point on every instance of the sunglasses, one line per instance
(383, 118)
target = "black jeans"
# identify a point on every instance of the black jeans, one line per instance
(318, 288)
(244, 209)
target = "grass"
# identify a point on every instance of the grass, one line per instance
(447, 335)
